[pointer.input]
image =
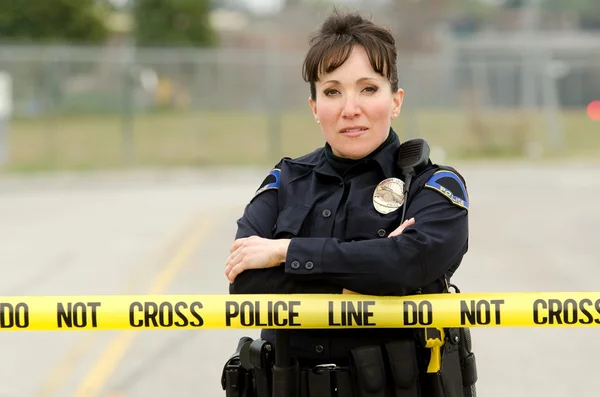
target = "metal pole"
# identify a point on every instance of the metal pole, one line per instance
(554, 136)
(5, 112)
(127, 113)
(128, 88)
(274, 107)
(531, 17)
(3, 141)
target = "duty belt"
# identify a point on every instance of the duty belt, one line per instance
(398, 368)
(325, 380)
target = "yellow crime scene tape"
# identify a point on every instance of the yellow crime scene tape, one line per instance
(529, 309)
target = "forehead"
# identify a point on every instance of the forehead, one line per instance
(357, 66)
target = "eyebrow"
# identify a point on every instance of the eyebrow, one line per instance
(358, 81)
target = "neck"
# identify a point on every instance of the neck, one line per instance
(343, 164)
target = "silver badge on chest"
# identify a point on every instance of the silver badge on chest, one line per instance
(388, 195)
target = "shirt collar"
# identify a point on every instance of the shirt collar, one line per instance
(384, 156)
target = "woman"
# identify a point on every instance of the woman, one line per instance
(329, 222)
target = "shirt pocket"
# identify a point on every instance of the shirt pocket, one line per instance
(289, 221)
(363, 224)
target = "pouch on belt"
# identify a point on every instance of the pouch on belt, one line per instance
(404, 367)
(368, 371)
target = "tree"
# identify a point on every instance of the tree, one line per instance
(173, 22)
(582, 7)
(53, 20)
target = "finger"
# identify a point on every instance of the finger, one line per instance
(228, 268)
(232, 257)
(407, 223)
(403, 226)
(347, 291)
(237, 257)
(235, 271)
(237, 243)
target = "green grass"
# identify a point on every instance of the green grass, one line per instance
(216, 138)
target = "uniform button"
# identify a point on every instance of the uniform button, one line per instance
(295, 265)
(309, 265)
(381, 232)
(326, 213)
(319, 349)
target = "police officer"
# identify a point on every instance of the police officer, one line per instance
(330, 221)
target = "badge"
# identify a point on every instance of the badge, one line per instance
(388, 195)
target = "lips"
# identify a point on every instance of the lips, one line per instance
(354, 128)
(353, 131)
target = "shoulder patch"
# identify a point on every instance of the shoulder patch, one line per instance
(451, 186)
(271, 182)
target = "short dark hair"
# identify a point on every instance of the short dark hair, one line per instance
(332, 44)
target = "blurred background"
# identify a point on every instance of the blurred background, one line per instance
(121, 83)
(134, 132)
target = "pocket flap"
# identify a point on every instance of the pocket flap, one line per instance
(290, 220)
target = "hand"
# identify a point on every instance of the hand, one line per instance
(403, 226)
(396, 232)
(254, 253)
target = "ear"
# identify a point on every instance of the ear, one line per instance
(313, 105)
(397, 99)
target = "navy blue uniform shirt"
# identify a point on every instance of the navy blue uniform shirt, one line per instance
(339, 240)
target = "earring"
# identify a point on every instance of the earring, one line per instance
(318, 122)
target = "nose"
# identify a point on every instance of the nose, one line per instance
(351, 108)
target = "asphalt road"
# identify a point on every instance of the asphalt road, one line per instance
(533, 228)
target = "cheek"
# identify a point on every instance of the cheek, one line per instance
(380, 110)
(328, 116)
(327, 113)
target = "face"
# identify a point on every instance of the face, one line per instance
(355, 106)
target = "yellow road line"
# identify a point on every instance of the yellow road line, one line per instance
(95, 380)
(60, 373)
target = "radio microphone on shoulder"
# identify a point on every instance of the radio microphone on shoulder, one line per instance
(411, 157)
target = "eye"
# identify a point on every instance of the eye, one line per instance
(331, 91)
(370, 89)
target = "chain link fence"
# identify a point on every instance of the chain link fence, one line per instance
(86, 107)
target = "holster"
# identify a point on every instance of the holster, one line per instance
(447, 382)
(468, 366)
(235, 379)
(247, 373)
(467, 363)
(458, 373)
